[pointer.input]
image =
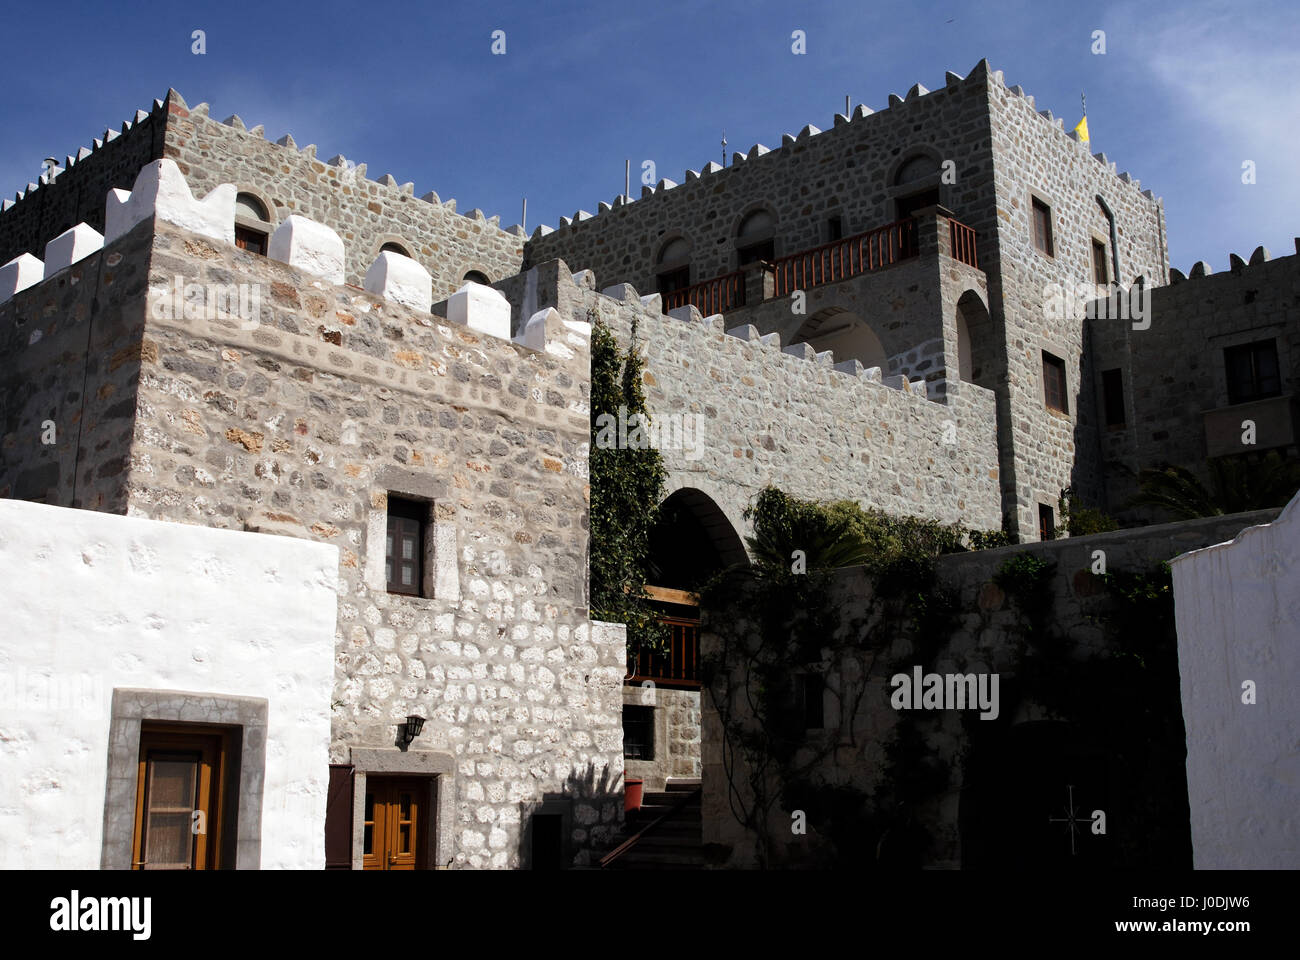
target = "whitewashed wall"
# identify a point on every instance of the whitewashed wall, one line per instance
(92, 601)
(1238, 615)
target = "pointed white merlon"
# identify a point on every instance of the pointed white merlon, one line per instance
(309, 246)
(803, 351)
(665, 184)
(787, 139)
(691, 175)
(70, 246)
(771, 340)
(160, 191)
(1175, 276)
(431, 197)
(234, 121)
(480, 308)
(711, 167)
(287, 141)
(757, 150)
(918, 388)
(622, 291)
(584, 215)
(916, 91)
(840, 119)
(853, 368)
(652, 302)
(872, 374)
(895, 100)
(1261, 255)
(747, 332)
(896, 382)
(826, 358)
(714, 322)
(515, 230)
(542, 230)
(18, 274)
(400, 279)
(1200, 269)
(141, 115)
(808, 131)
(1018, 90)
(737, 158)
(546, 331)
(686, 313)
(862, 110)
(585, 279)
(6, 203)
(1235, 263)
(950, 78)
(602, 207)
(565, 222)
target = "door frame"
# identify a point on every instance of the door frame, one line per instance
(438, 769)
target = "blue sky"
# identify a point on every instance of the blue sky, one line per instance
(1182, 97)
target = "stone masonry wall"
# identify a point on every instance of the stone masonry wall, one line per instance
(71, 351)
(365, 213)
(303, 423)
(984, 641)
(1173, 371)
(76, 195)
(1033, 157)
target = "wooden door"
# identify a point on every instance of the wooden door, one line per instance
(179, 799)
(395, 817)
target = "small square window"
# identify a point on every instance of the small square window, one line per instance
(404, 545)
(811, 688)
(1042, 215)
(1046, 522)
(1112, 390)
(1100, 271)
(1054, 383)
(254, 241)
(1253, 371)
(674, 280)
(638, 732)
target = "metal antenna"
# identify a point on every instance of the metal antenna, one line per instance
(724, 148)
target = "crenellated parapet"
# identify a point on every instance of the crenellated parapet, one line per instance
(161, 194)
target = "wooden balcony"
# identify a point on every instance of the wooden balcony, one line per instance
(838, 260)
(680, 666)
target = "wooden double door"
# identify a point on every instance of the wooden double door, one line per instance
(396, 821)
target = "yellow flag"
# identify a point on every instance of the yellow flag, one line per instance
(1082, 130)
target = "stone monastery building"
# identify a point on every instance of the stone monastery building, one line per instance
(204, 329)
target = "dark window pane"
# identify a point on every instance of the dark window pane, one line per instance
(1112, 388)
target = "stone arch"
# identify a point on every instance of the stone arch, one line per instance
(754, 233)
(846, 334)
(693, 539)
(673, 251)
(976, 347)
(476, 275)
(915, 166)
(248, 198)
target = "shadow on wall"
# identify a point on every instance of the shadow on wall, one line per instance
(575, 827)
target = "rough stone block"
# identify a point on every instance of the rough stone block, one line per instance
(160, 191)
(309, 246)
(482, 309)
(400, 279)
(18, 274)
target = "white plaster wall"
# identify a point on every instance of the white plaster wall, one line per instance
(92, 601)
(1238, 617)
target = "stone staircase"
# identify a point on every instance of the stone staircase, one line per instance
(665, 834)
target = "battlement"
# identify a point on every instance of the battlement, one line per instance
(1236, 265)
(161, 194)
(854, 124)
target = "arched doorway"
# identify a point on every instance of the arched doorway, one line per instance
(976, 350)
(844, 333)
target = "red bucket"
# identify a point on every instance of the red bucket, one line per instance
(632, 787)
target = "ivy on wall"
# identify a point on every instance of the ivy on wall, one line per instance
(627, 485)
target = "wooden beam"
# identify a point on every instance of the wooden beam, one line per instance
(669, 595)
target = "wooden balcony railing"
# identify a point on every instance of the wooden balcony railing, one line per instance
(845, 258)
(837, 260)
(718, 295)
(681, 665)
(963, 243)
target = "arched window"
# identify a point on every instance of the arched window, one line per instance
(919, 170)
(846, 335)
(916, 168)
(477, 276)
(674, 266)
(756, 238)
(252, 224)
(392, 247)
